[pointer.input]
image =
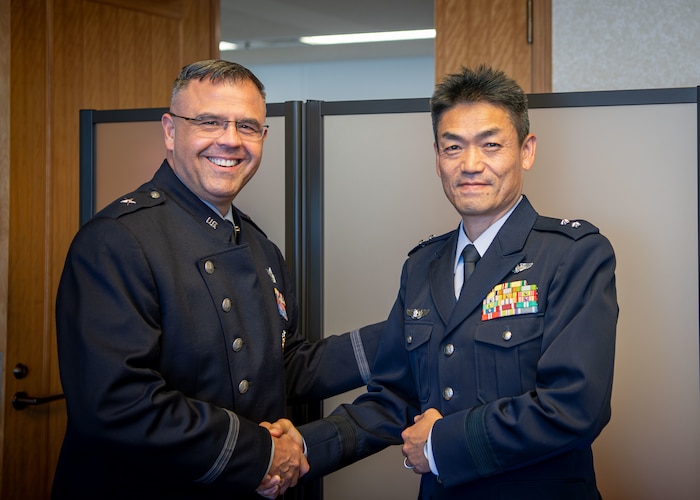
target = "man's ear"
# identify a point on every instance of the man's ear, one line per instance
(168, 131)
(437, 159)
(527, 152)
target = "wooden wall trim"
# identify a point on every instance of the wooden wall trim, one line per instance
(215, 24)
(542, 46)
(4, 204)
(167, 8)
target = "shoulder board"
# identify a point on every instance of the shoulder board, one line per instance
(132, 202)
(247, 218)
(574, 228)
(429, 241)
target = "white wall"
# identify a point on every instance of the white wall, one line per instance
(347, 80)
(619, 44)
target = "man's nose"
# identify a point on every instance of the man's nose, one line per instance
(472, 160)
(230, 135)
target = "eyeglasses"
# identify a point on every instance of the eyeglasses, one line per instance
(215, 127)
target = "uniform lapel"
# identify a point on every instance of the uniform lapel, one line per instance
(442, 278)
(505, 252)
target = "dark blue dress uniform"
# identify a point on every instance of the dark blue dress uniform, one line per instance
(523, 396)
(176, 336)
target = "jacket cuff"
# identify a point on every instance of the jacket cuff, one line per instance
(464, 459)
(330, 445)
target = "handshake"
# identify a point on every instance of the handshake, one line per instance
(288, 461)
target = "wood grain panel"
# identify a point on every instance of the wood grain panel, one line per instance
(163, 8)
(542, 46)
(27, 314)
(100, 47)
(164, 65)
(494, 32)
(194, 41)
(4, 197)
(66, 84)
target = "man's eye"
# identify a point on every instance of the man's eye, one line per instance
(451, 149)
(211, 123)
(247, 128)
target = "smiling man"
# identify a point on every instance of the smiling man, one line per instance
(496, 362)
(177, 321)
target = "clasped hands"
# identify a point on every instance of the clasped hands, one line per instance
(288, 462)
(414, 439)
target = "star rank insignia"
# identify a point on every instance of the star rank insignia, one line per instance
(128, 201)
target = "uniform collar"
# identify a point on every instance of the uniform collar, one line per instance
(209, 218)
(483, 242)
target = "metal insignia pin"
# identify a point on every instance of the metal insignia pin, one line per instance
(271, 275)
(417, 313)
(128, 201)
(522, 267)
(575, 224)
(564, 222)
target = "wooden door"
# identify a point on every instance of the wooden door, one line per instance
(512, 35)
(63, 56)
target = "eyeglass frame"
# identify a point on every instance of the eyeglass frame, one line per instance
(198, 122)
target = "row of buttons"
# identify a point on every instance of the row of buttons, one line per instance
(448, 350)
(238, 342)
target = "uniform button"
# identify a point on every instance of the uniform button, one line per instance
(155, 195)
(243, 386)
(409, 339)
(226, 304)
(447, 393)
(507, 335)
(237, 344)
(449, 349)
(209, 267)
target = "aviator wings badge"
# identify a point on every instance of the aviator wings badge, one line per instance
(417, 313)
(523, 266)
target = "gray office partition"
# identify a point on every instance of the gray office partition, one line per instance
(360, 190)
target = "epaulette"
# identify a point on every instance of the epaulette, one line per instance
(132, 202)
(574, 229)
(429, 241)
(247, 218)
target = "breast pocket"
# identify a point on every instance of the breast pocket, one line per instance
(417, 343)
(507, 352)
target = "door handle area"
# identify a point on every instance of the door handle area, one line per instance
(21, 400)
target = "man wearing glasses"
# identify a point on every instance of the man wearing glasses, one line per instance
(177, 321)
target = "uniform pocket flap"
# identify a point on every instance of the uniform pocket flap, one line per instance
(511, 332)
(416, 335)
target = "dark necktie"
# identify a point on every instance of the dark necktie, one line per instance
(470, 257)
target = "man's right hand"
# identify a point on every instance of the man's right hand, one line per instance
(288, 462)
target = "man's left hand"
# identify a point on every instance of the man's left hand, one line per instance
(414, 439)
